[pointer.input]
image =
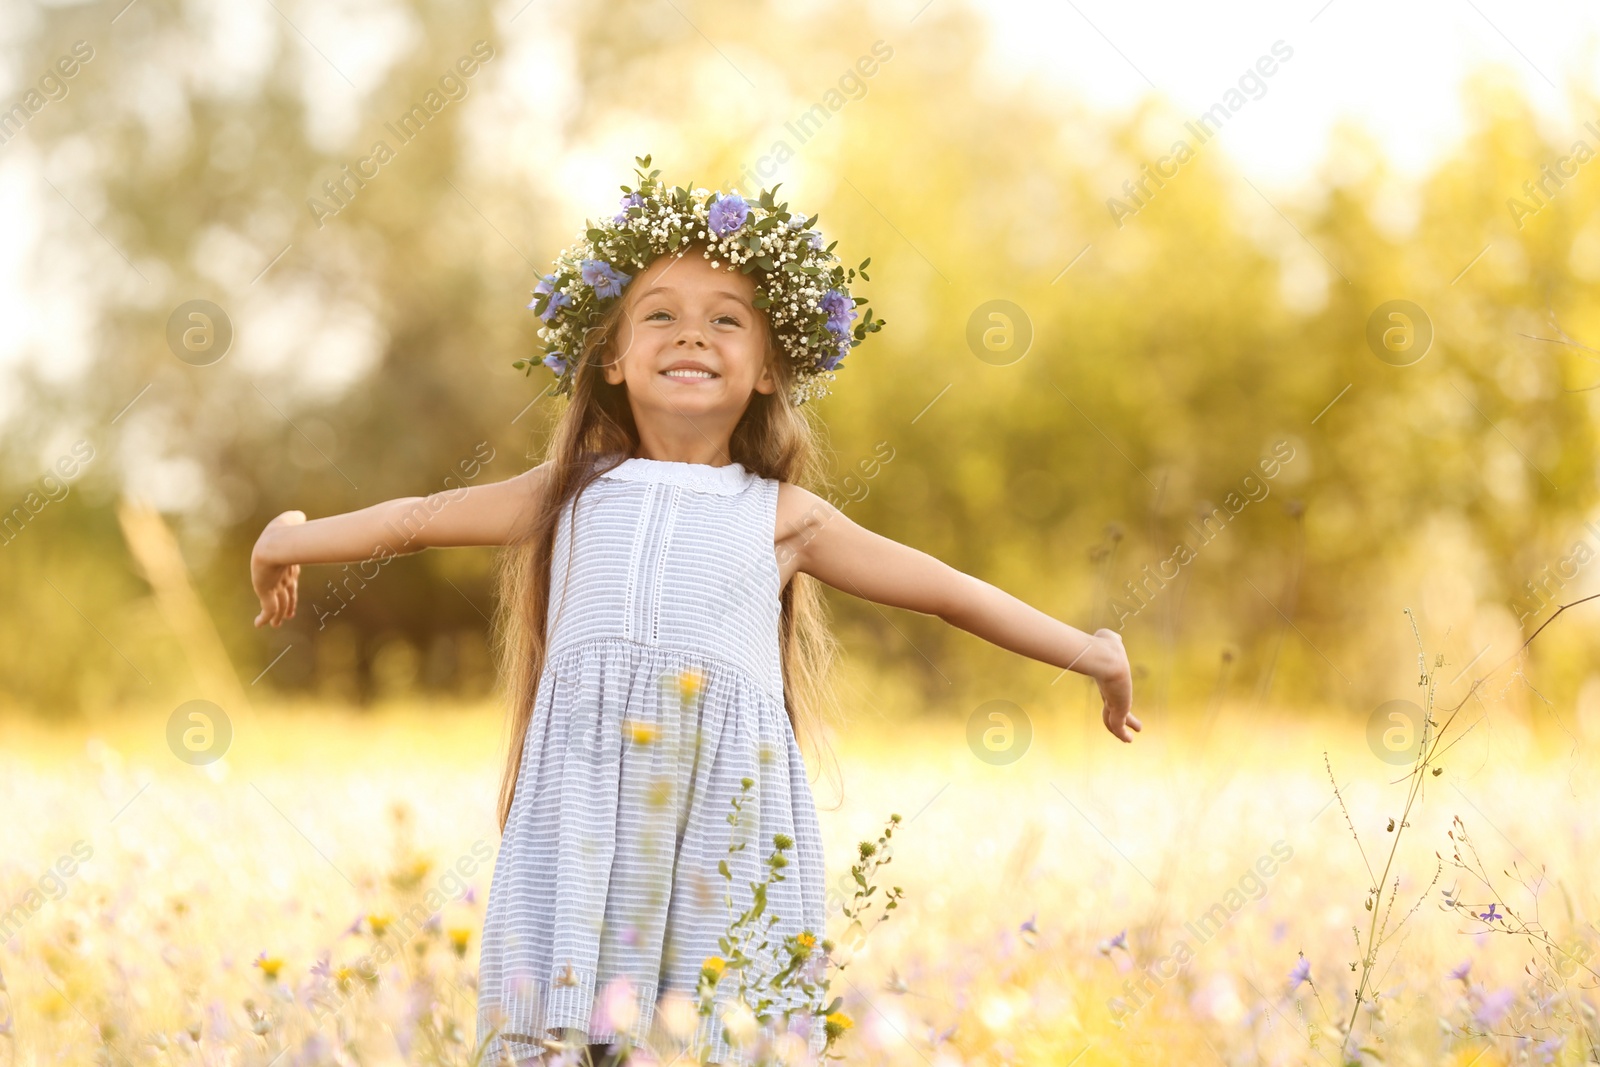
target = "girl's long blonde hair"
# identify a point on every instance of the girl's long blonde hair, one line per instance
(774, 439)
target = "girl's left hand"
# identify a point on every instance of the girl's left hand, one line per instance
(1116, 688)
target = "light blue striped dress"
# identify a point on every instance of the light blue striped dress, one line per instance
(608, 864)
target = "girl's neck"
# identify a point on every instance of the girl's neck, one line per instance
(698, 451)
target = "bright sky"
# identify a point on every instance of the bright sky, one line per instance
(1394, 67)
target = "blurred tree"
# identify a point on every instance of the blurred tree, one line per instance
(371, 353)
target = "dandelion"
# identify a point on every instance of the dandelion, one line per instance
(641, 733)
(459, 936)
(378, 924)
(836, 1023)
(712, 969)
(270, 966)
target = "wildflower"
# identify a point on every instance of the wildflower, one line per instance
(1030, 932)
(727, 214)
(631, 200)
(806, 940)
(1301, 973)
(1490, 915)
(321, 968)
(603, 278)
(836, 1023)
(1460, 972)
(557, 302)
(1120, 941)
(353, 928)
(378, 924)
(690, 682)
(270, 966)
(459, 936)
(641, 733)
(712, 969)
(618, 1004)
(556, 362)
(1494, 1007)
(547, 284)
(782, 841)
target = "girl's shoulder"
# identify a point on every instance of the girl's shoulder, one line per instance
(799, 507)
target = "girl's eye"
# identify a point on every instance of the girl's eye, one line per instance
(730, 318)
(653, 314)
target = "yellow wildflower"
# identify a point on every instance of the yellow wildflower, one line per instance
(807, 941)
(641, 733)
(690, 683)
(270, 966)
(459, 936)
(712, 968)
(837, 1023)
(379, 924)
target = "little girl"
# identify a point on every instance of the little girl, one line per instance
(659, 627)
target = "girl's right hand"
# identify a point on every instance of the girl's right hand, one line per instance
(275, 583)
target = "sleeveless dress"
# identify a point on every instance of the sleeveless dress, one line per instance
(608, 866)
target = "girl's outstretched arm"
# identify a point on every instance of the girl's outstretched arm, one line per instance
(815, 537)
(469, 515)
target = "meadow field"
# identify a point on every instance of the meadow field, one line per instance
(1197, 897)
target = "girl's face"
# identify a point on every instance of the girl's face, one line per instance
(690, 341)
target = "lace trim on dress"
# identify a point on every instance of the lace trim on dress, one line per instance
(726, 481)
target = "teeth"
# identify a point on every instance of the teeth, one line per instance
(688, 373)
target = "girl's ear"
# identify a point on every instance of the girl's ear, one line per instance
(768, 382)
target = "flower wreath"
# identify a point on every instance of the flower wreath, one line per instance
(801, 284)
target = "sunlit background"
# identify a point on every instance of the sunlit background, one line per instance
(1310, 415)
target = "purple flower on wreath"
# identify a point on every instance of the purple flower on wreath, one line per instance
(557, 302)
(1301, 973)
(556, 362)
(833, 359)
(727, 215)
(631, 200)
(1490, 915)
(840, 308)
(815, 240)
(603, 278)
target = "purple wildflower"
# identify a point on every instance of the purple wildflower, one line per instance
(472, 895)
(631, 200)
(1301, 973)
(555, 362)
(1490, 915)
(1494, 1007)
(557, 302)
(1460, 973)
(727, 215)
(603, 278)
(1548, 1048)
(840, 308)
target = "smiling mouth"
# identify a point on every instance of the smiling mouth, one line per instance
(689, 374)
